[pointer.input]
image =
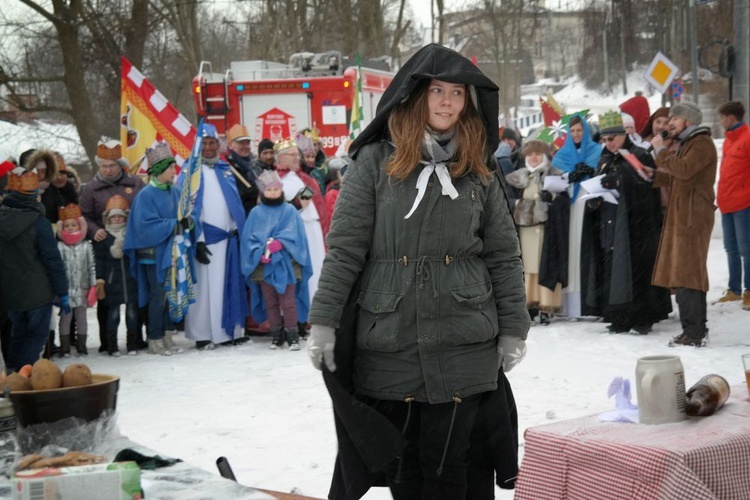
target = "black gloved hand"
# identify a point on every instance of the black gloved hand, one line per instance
(202, 252)
(186, 223)
(545, 196)
(610, 181)
(581, 172)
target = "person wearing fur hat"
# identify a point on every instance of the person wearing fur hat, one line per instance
(31, 269)
(112, 178)
(421, 303)
(240, 157)
(276, 262)
(689, 172)
(266, 156)
(150, 230)
(619, 240)
(218, 314)
(60, 193)
(530, 215)
(80, 268)
(114, 283)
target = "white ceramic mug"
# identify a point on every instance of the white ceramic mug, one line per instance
(660, 387)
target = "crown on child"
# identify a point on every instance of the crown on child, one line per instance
(22, 180)
(70, 211)
(284, 144)
(117, 202)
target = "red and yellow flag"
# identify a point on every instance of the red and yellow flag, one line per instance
(147, 117)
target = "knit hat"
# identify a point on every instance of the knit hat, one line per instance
(305, 144)
(238, 132)
(269, 179)
(627, 119)
(284, 144)
(116, 205)
(110, 151)
(264, 145)
(610, 123)
(159, 158)
(509, 133)
(687, 111)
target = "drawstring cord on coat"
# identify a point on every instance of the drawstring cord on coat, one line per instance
(456, 401)
(409, 400)
(425, 272)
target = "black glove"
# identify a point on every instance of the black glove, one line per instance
(581, 172)
(186, 223)
(545, 196)
(202, 252)
(610, 181)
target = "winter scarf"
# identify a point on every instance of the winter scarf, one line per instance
(118, 231)
(112, 181)
(438, 149)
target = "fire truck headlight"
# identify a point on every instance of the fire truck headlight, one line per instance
(346, 85)
(197, 90)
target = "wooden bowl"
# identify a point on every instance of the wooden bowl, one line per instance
(87, 402)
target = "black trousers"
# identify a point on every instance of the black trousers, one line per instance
(435, 462)
(692, 306)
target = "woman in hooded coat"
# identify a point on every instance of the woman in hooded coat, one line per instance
(421, 297)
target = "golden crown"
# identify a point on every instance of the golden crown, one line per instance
(116, 202)
(284, 144)
(110, 150)
(70, 211)
(20, 179)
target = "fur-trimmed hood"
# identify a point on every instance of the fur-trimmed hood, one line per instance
(47, 157)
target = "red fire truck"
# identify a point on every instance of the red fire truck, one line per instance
(275, 100)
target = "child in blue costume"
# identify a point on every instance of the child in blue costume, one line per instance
(276, 262)
(148, 242)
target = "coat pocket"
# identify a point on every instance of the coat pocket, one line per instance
(473, 315)
(379, 322)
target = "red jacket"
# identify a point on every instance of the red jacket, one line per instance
(733, 193)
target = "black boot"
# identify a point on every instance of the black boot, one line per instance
(112, 349)
(544, 319)
(103, 341)
(64, 346)
(131, 342)
(278, 335)
(81, 345)
(302, 330)
(292, 338)
(533, 313)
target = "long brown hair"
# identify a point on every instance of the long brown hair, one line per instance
(406, 125)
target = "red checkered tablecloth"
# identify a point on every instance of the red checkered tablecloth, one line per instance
(703, 458)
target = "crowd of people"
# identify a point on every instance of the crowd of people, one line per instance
(614, 221)
(417, 296)
(107, 244)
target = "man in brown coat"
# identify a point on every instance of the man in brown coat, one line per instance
(689, 173)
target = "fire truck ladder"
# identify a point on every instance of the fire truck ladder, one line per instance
(214, 108)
